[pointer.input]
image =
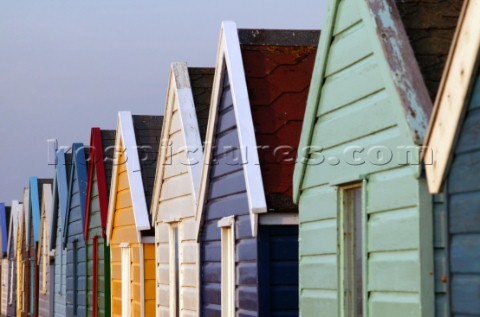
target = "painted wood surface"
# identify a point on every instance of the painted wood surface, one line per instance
(455, 88)
(11, 254)
(9, 270)
(352, 83)
(60, 203)
(98, 253)
(74, 235)
(46, 273)
(457, 266)
(4, 213)
(226, 197)
(124, 231)
(176, 201)
(20, 250)
(128, 222)
(278, 265)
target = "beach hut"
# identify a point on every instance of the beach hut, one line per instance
(247, 222)
(12, 265)
(23, 274)
(176, 189)
(129, 232)
(4, 226)
(365, 212)
(59, 211)
(46, 267)
(452, 163)
(32, 238)
(73, 237)
(102, 144)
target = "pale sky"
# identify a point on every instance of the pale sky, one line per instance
(69, 65)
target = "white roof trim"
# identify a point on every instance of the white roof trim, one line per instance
(126, 134)
(230, 56)
(26, 211)
(180, 88)
(452, 96)
(13, 225)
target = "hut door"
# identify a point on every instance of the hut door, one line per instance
(351, 251)
(125, 279)
(278, 270)
(228, 266)
(174, 271)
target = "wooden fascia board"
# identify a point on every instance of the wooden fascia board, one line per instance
(313, 98)
(229, 56)
(162, 154)
(126, 134)
(455, 88)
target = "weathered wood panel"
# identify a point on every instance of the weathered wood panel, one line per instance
(355, 86)
(220, 191)
(457, 230)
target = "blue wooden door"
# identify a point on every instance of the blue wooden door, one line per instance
(278, 270)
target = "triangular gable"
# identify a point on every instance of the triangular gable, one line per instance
(180, 92)
(60, 192)
(3, 228)
(12, 231)
(47, 197)
(229, 57)
(453, 95)
(125, 136)
(97, 162)
(391, 48)
(78, 169)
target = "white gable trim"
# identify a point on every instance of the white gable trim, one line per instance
(126, 135)
(12, 232)
(452, 96)
(230, 56)
(180, 92)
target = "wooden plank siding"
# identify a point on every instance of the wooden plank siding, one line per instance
(60, 271)
(457, 268)
(124, 231)
(98, 252)
(11, 253)
(227, 196)
(177, 203)
(95, 233)
(74, 236)
(177, 197)
(355, 86)
(44, 293)
(4, 285)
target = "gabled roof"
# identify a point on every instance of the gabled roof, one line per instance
(253, 87)
(461, 72)
(34, 211)
(140, 138)
(4, 228)
(78, 169)
(190, 90)
(101, 147)
(12, 227)
(391, 47)
(60, 192)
